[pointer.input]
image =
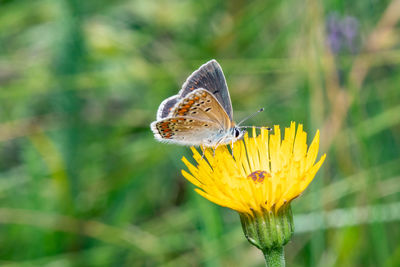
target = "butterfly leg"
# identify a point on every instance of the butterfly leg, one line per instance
(203, 148)
(217, 145)
(215, 148)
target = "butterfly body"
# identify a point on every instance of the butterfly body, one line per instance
(201, 114)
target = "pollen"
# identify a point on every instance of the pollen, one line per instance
(259, 176)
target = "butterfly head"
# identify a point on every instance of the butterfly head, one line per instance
(236, 133)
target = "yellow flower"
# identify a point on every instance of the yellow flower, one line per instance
(263, 174)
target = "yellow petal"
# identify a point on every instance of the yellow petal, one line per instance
(264, 172)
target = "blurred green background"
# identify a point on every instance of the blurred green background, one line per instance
(84, 183)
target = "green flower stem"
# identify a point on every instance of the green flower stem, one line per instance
(274, 257)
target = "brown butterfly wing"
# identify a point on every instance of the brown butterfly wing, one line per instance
(210, 77)
(186, 131)
(166, 106)
(201, 104)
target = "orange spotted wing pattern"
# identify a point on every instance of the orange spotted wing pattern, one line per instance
(185, 131)
(201, 104)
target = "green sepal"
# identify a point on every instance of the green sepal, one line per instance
(267, 230)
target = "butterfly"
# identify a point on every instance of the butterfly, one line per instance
(201, 113)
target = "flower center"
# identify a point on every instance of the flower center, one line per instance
(258, 176)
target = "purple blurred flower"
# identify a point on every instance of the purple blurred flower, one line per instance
(333, 33)
(342, 33)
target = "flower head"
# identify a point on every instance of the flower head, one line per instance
(263, 174)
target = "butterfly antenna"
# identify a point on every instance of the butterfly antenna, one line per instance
(250, 116)
(257, 127)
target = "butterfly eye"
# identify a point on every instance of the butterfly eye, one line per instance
(237, 133)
